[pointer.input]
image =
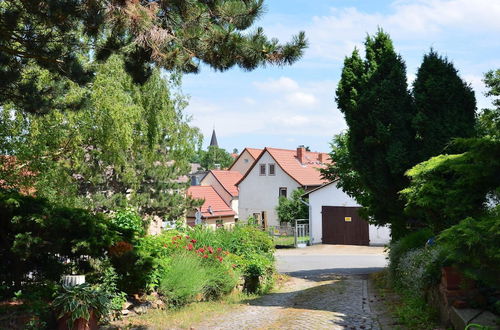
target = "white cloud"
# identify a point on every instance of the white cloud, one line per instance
(283, 84)
(335, 34)
(301, 99)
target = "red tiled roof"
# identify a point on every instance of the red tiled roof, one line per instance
(212, 199)
(306, 173)
(228, 180)
(254, 152)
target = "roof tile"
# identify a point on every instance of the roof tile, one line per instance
(228, 180)
(212, 200)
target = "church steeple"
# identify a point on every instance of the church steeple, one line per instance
(213, 140)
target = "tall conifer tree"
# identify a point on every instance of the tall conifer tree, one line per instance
(373, 95)
(445, 105)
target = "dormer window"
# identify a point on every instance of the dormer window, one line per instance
(262, 169)
(272, 169)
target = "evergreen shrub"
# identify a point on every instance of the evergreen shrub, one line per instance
(398, 249)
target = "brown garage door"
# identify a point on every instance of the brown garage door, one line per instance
(343, 225)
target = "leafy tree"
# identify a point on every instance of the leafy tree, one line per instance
(174, 35)
(373, 96)
(294, 208)
(128, 146)
(214, 157)
(489, 119)
(445, 105)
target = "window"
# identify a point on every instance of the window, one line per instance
(282, 192)
(262, 169)
(219, 223)
(272, 169)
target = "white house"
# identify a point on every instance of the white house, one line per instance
(275, 173)
(334, 219)
(224, 183)
(245, 160)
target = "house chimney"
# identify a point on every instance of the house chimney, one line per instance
(301, 154)
(321, 157)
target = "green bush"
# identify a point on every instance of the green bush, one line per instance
(140, 268)
(78, 301)
(419, 269)
(183, 279)
(221, 279)
(253, 248)
(39, 237)
(399, 248)
(473, 246)
(129, 223)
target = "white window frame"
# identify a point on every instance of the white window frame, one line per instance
(262, 166)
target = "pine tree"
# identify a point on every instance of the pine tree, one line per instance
(174, 35)
(445, 106)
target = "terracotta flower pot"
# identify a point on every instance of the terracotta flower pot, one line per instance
(79, 324)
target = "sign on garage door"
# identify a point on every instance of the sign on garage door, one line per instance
(343, 225)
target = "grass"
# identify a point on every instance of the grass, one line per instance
(288, 240)
(410, 310)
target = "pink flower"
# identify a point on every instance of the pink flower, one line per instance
(219, 249)
(220, 259)
(210, 249)
(201, 250)
(189, 246)
(205, 256)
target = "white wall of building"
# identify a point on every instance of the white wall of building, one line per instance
(331, 195)
(261, 193)
(243, 163)
(234, 206)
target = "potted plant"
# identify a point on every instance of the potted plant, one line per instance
(80, 307)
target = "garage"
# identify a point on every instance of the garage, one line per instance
(343, 225)
(334, 219)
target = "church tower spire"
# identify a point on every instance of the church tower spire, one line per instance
(213, 140)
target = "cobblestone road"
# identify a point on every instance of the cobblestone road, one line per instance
(324, 301)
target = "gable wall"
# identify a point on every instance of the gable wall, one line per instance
(210, 180)
(261, 193)
(241, 165)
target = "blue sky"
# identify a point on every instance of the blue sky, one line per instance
(284, 107)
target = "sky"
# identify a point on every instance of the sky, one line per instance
(284, 107)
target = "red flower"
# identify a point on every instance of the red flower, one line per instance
(187, 237)
(189, 247)
(220, 259)
(201, 250)
(165, 245)
(219, 249)
(210, 249)
(205, 256)
(193, 241)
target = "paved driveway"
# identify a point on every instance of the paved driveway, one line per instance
(331, 259)
(328, 290)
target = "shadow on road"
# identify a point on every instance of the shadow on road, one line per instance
(325, 274)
